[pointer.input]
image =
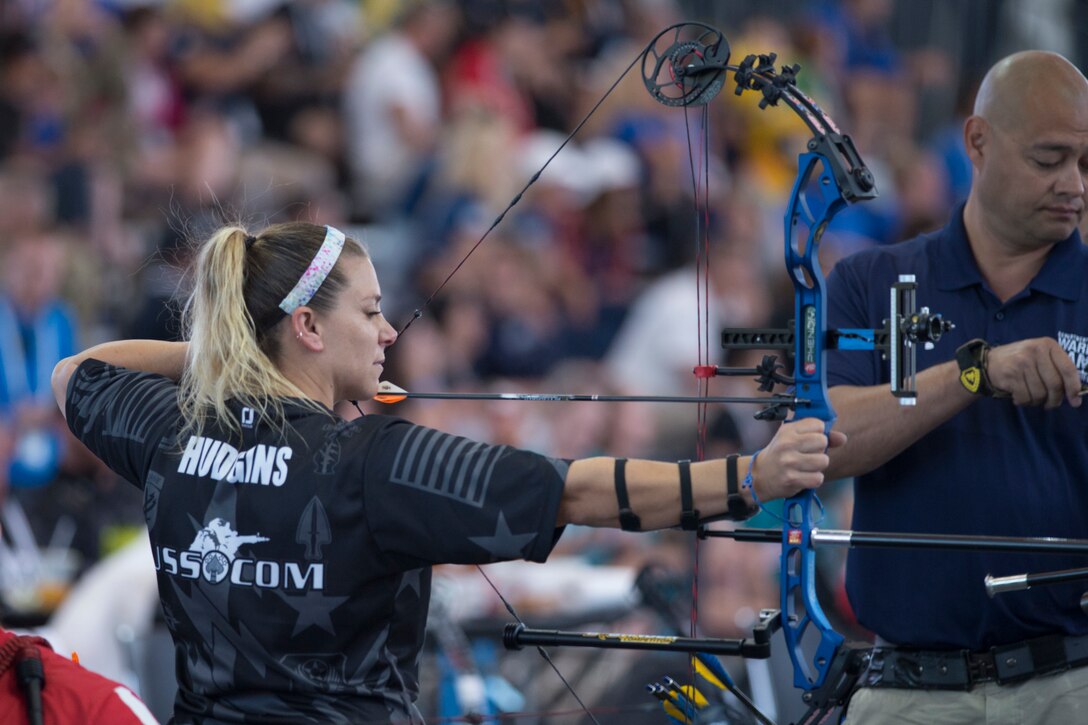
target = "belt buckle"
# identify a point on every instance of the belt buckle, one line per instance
(981, 667)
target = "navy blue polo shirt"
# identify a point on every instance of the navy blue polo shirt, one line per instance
(993, 469)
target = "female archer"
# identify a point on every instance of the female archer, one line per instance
(294, 548)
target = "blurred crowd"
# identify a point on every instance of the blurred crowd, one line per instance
(131, 128)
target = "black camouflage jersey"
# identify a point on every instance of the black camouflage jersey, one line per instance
(294, 567)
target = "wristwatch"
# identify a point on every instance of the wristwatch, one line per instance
(971, 357)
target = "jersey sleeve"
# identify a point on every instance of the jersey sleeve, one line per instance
(848, 307)
(121, 415)
(440, 498)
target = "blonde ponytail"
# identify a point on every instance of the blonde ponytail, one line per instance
(230, 318)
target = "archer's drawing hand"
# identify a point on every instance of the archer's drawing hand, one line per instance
(795, 459)
(1035, 372)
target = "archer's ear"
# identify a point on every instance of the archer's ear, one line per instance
(976, 138)
(305, 329)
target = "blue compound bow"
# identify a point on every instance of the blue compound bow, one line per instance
(688, 65)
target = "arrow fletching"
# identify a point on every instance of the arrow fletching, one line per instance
(389, 393)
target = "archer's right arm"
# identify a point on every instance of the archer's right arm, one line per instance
(149, 356)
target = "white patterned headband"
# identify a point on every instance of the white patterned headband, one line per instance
(315, 274)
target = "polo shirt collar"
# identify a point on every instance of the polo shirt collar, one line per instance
(1060, 276)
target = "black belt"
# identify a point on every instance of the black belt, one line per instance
(963, 669)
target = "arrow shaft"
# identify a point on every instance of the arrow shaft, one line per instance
(569, 397)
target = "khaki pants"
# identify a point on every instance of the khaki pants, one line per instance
(1060, 699)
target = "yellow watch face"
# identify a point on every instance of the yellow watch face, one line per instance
(971, 378)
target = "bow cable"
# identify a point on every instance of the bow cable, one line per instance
(517, 198)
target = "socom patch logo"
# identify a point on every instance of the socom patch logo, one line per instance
(218, 543)
(213, 556)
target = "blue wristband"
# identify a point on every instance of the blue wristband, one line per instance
(748, 478)
(748, 485)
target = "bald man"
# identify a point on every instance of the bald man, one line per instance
(998, 442)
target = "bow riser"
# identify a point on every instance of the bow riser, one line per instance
(815, 199)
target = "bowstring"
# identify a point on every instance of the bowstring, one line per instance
(517, 198)
(699, 166)
(702, 235)
(540, 649)
(419, 313)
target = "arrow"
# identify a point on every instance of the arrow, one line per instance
(389, 393)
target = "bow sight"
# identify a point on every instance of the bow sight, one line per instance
(905, 329)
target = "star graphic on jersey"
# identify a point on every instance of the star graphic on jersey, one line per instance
(313, 610)
(169, 618)
(503, 544)
(216, 632)
(410, 580)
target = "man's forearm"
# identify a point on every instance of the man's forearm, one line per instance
(879, 428)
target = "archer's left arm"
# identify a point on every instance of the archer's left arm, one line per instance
(793, 461)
